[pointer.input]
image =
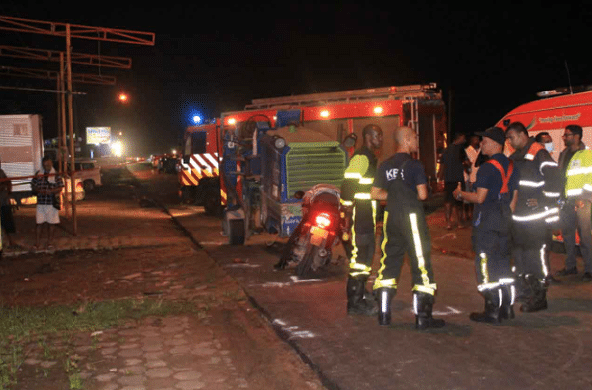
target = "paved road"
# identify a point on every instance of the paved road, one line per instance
(549, 350)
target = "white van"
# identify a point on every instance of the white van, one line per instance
(89, 173)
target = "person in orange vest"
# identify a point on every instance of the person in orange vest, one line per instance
(494, 199)
(539, 190)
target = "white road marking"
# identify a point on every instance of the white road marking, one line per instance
(242, 265)
(451, 311)
(452, 236)
(296, 279)
(292, 330)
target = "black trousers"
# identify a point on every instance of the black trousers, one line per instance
(406, 231)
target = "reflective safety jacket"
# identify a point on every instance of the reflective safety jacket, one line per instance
(579, 175)
(540, 179)
(355, 189)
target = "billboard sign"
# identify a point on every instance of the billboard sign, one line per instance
(98, 135)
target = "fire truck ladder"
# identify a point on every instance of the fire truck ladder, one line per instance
(427, 91)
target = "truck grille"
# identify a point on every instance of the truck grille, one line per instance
(312, 163)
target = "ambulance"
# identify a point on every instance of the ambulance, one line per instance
(555, 110)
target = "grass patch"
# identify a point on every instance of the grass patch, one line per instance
(22, 325)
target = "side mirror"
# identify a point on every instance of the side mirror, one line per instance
(299, 194)
(350, 141)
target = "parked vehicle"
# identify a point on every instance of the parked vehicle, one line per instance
(311, 243)
(21, 151)
(551, 113)
(89, 173)
(198, 171)
(261, 169)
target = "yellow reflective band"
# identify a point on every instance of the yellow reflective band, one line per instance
(374, 212)
(484, 272)
(390, 283)
(425, 289)
(346, 202)
(358, 166)
(362, 195)
(377, 283)
(366, 180)
(418, 249)
(360, 267)
(354, 255)
(354, 274)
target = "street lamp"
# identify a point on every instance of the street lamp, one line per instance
(122, 97)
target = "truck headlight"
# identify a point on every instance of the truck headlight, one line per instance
(279, 143)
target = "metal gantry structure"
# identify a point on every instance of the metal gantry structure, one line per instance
(65, 78)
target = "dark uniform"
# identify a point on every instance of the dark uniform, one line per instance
(405, 231)
(355, 193)
(491, 238)
(540, 179)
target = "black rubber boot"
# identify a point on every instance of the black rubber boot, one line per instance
(538, 300)
(422, 305)
(384, 296)
(491, 314)
(357, 302)
(507, 308)
(523, 290)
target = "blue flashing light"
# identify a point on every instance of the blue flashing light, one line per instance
(196, 119)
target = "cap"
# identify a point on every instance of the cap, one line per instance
(495, 133)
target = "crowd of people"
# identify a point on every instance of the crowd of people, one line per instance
(515, 200)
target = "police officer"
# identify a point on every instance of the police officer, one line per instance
(494, 199)
(361, 213)
(401, 181)
(539, 189)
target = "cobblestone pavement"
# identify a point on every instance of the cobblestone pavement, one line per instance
(138, 253)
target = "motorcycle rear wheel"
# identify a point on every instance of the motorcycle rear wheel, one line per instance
(305, 265)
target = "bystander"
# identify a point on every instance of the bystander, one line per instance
(47, 185)
(7, 223)
(454, 159)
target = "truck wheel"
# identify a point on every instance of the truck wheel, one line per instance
(305, 265)
(212, 204)
(89, 185)
(236, 231)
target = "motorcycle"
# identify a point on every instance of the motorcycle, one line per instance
(322, 225)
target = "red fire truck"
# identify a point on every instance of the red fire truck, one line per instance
(199, 168)
(337, 114)
(327, 117)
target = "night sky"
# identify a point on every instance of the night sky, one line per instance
(211, 58)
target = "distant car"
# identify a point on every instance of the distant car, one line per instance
(88, 172)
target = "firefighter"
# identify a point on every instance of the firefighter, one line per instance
(539, 189)
(361, 213)
(494, 199)
(402, 183)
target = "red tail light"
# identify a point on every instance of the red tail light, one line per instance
(323, 220)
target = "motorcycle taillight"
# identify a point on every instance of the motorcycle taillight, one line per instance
(323, 220)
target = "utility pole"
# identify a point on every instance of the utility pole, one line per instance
(70, 31)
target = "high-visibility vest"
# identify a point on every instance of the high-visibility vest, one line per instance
(579, 174)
